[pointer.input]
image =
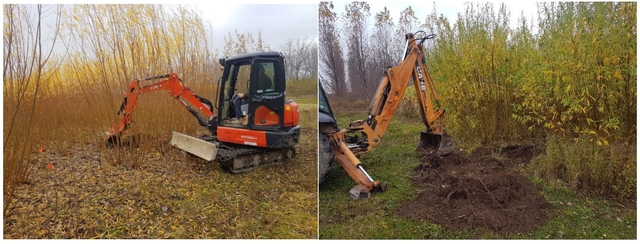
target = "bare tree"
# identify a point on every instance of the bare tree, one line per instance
(384, 48)
(311, 62)
(243, 43)
(407, 23)
(355, 18)
(332, 71)
(298, 53)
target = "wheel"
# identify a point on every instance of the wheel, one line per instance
(325, 157)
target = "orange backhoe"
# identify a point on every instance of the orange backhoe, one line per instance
(345, 145)
(254, 123)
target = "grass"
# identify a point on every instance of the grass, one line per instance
(341, 217)
(580, 216)
(306, 88)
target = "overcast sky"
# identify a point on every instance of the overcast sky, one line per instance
(449, 8)
(278, 22)
(282, 22)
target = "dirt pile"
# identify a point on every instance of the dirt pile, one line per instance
(478, 191)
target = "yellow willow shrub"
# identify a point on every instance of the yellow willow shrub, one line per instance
(585, 84)
(242, 43)
(58, 100)
(27, 69)
(306, 88)
(606, 170)
(574, 82)
(473, 63)
(583, 95)
(409, 105)
(114, 44)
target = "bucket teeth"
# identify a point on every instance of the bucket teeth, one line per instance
(447, 144)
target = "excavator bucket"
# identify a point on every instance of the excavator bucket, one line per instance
(443, 144)
(198, 147)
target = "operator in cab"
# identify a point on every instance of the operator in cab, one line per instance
(264, 84)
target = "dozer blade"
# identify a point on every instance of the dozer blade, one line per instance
(443, 144)
(201, 148)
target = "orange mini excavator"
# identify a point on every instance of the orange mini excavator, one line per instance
(344, 146)
(254, 123)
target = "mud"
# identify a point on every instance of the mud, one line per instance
(480, 190)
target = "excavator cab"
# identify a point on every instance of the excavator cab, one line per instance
(252, 90)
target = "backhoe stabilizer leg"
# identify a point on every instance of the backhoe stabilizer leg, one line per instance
(365, 184)
(442, 144)
(351, 165)
(359, 192)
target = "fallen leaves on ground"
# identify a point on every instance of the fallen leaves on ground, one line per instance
(171, 195)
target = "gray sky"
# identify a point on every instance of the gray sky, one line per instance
(278, 22)
(449, 9)
(282, 22)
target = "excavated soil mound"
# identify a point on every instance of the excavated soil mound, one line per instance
(478, 191)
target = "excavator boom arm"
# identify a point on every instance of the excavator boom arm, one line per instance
(190, 100)
(393, 85)
(391, 90)
(389, 93)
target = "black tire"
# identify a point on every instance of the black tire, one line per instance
(325, 157)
